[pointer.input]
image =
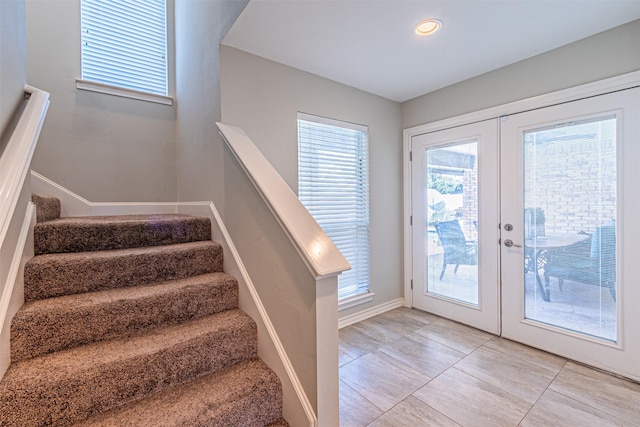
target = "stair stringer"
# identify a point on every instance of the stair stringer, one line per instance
(297, 408)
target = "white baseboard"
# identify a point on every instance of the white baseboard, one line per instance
(370, 312)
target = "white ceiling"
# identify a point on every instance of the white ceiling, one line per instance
(370, 44)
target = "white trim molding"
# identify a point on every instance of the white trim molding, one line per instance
(370, 312)
(407, 221)
(122, 92)
(600, 87)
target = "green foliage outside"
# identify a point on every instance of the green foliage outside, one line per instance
(445, 184)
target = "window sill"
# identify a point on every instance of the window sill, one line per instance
(123, 92)
(355, 300)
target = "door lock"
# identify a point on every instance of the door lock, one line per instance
(508, 227)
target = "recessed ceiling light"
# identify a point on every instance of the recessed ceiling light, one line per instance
(428, 27)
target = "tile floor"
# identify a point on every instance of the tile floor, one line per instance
(410, 368)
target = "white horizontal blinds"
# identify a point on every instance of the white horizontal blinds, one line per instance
(124, 43)
(333, 181)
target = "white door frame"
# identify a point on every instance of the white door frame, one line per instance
(624, 81)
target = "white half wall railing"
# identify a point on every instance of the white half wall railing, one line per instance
(17, 213)
(318, 253)
(16, 157)
(316, 249)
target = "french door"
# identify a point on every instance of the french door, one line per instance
(455, 217)
(528, 226)
(571, 230)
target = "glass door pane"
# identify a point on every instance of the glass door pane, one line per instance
(569, 226)
(454, 250)
(451, 209)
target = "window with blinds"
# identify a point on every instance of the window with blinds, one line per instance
(333, 184)
(124, 44)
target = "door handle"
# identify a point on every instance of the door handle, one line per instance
(509, 243)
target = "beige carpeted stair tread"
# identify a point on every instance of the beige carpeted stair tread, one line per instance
(53, 324)
(96, 233)
(70, 385)
(54, 275)
(248, 394)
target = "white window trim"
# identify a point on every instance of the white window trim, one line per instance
(332, 122)
(122, 92)
(355, 300)
(114, 90)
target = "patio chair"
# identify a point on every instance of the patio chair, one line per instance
(457, 249)
(591, 261)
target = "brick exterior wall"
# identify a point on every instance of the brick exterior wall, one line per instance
(573, 181)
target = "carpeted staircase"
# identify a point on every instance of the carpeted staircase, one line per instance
(130, 321)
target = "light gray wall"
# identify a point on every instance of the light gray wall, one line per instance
(200, 26)
(13, 60)
(603, 55)
(104, 148)
(263, 98)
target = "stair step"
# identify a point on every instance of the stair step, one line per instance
(247, 394)
(47, 207)
(99, 233)
(70, 385)
(44, 326)
(53, 275)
